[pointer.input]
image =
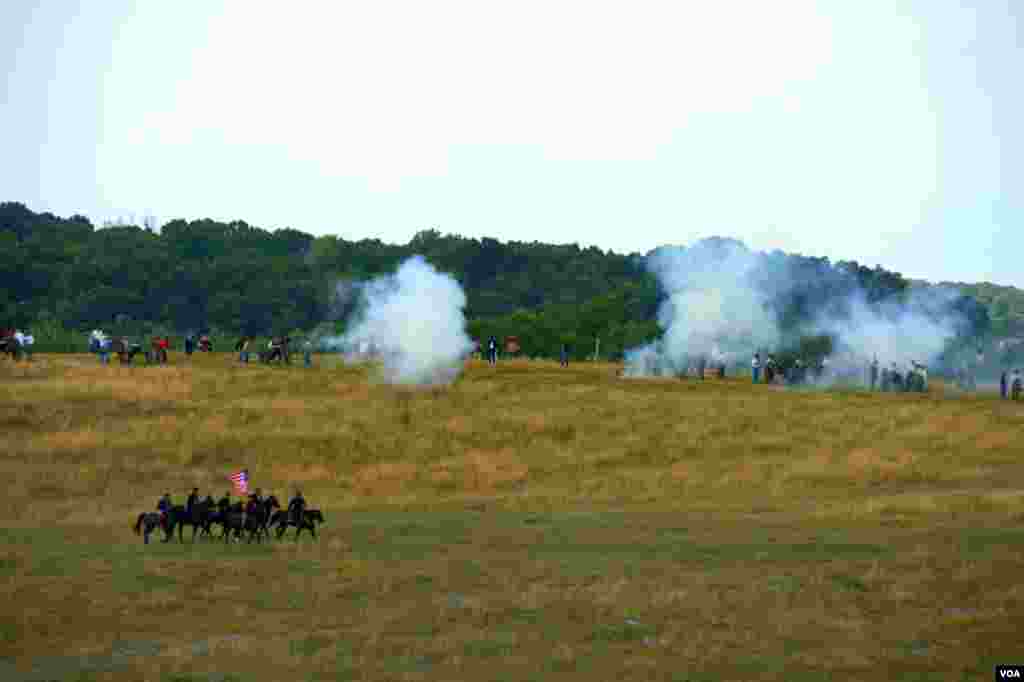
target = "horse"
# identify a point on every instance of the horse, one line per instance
(270, 504)
(126, 350)
(255, 523)
(272, 355)
(10, 346)
(236, 522)
(151, 521)
(199, 519)
(179, 516)
(310, 517)
(219, 516)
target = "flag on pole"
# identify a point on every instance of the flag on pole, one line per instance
(241, 481)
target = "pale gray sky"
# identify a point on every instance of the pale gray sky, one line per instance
(885, 131)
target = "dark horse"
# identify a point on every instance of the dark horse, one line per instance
(179, 516)
(310, 517)
(126, 350)
(151, 521)
(255, 524)
(218, 516)
(9, 345)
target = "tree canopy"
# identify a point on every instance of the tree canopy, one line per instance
(236, 278)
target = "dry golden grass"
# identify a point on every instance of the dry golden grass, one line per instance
(529, 522)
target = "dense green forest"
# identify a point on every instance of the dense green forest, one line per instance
(62, 276)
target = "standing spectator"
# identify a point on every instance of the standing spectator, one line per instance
(189, 345)
(492, 350)
(18, 341)
(105, 350)
(165, 343)
(874, 373)
(1002, 385)
(243, 349)
(275, 350)
(307, 353)
(29, 340)
(755, 366)
(564, 357)
(769, 370)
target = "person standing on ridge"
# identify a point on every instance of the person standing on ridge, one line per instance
(307, 353)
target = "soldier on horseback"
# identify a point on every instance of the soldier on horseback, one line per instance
(164, 507)
(296, 508)
(193, 498)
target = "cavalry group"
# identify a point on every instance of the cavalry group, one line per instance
(255, 519)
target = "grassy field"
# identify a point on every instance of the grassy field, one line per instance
(528, 523)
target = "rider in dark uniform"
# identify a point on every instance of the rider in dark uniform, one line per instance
(164, 507)
(296, 507)
(193, 498)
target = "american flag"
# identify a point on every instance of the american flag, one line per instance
(241, 481)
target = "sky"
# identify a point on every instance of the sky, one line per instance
(886, 132)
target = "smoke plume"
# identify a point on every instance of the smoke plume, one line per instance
(713, 312)
(896, 334)
(412, 320)
(723, 304)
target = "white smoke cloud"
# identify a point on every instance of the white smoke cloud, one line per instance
(914, 331)
(717, 312)
(412, 320)
(713, 311)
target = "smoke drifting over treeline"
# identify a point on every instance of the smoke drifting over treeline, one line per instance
(725, 302)
(412, 321)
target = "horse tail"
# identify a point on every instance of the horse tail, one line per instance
(138, 524)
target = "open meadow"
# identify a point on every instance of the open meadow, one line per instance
(530, 522)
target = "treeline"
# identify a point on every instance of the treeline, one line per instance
(232, 276)
(799, 290)
(62, 276)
